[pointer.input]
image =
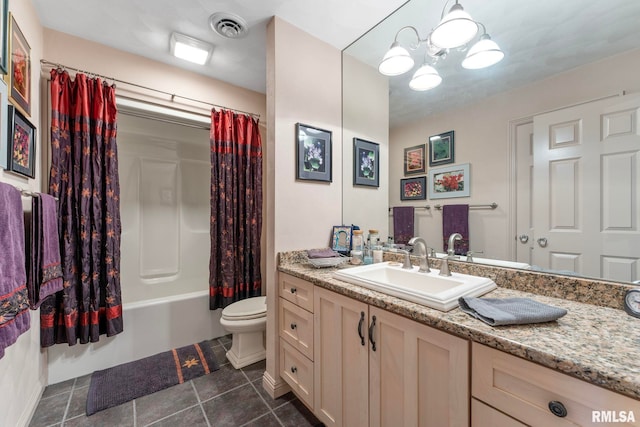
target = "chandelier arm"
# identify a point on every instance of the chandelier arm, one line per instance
(415, 32)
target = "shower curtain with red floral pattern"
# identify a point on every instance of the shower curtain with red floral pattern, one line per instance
(84, 178)
(236, 208)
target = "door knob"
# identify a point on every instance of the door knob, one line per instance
(523, 238)
(542, 242)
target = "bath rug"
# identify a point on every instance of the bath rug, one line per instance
(120, 384)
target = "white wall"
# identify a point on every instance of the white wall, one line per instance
(482, 139)
(303, 85)
(23, 369)
(365, 103)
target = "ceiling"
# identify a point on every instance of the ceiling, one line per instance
(540, 38)
(143, 27)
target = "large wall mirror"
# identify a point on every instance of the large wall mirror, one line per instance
(550, 133)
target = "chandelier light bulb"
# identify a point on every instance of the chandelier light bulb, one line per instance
(396, 61)
(484, 53)
(425, 78)
(455, 29)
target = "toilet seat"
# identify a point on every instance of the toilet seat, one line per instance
(246, 309)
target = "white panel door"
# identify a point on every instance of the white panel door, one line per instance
(525, 237)
(586, 189)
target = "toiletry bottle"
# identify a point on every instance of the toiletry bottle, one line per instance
(377, 252)
(373, 236)
(357, 242)
(368, 253)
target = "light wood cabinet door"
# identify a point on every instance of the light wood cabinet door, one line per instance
(485, 416)
(419, 376)
(341, 360)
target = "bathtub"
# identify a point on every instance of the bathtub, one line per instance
(150, 327)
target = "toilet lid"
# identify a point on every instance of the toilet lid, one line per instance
(249, 308)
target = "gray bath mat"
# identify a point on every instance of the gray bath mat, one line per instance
(120, 384)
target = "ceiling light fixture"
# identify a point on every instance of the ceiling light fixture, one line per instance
(190, 49)
(456, 29)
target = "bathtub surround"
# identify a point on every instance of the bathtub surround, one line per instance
(123, 383)
(236, 208)
(45, 270)
(14, 305)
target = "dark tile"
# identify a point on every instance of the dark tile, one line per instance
(255, 370)
(221, 355)
(273, 403)
(225, 341)
(235, 408)
(50, 410)
(121, 416)
(52, 390)
(224, 379)
(191, 417)
(295, 414)
(78, 403)
(164, 402)
(83, 381)
(268, 420)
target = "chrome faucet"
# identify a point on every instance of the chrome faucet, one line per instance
(424, 258)
(452, 242)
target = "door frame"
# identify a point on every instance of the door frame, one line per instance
(513, 175)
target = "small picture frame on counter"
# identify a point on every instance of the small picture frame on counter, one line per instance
(341, 238)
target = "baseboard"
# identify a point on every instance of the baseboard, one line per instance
(274, 388)
(30, 406)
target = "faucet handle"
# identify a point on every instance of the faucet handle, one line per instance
(471, 253)
(431, 252)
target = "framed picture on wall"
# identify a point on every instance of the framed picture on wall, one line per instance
(413, 188)
(4, 117)
(414, 160)
(4, 31)
(366, 163)
(441, 149)
(313, 153)
(449, 181)
(19, 72)
(22, 144)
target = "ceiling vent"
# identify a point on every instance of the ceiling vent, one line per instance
(228, 25)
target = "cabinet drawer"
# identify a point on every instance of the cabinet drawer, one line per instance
(296, 327)
(526, 391)
(297, 371)
(485, 416)
(296, 290)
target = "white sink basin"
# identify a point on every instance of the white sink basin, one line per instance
(428, 289)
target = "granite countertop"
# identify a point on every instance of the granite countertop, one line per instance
(597, 344)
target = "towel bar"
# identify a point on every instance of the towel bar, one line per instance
(487, 206)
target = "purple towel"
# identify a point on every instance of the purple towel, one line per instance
(403, 217)
(455, 219)
(14, 305)
(45, 270)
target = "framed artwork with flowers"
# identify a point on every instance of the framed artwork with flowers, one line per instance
(441, 149)
(22, 144)
(414, 160)
(313, 153)
(449, 181)
(366, 163)
(19, 72)
(413, 188)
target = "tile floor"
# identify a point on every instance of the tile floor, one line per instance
(226, 397)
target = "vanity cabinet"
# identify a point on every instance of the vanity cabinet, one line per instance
(539, 396)
(376, 368)
(296, 335)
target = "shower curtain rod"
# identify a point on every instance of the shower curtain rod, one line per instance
(53, 65)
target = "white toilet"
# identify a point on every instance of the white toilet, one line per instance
(246, 320)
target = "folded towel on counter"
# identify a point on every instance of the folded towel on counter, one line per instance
(322, 253)
(510, 311)
(45, 271)
(14, 305)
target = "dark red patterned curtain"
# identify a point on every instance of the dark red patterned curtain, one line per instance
(236, 208)
(84, 178)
